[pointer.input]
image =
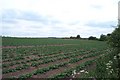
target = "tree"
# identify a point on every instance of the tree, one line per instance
(108, 35)
(78, 37)
(103, 37)
(72, 37)
(92, 38)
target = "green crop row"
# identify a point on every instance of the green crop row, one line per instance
(51, 60)
(34, 64)
(73, 60)
(43, 70)
(47, 61)
(43, 58)
(69, 72)
(15, 69)
(28, 53)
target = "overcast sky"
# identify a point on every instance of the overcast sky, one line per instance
(58, 18)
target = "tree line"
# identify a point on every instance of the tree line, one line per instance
(102, 37)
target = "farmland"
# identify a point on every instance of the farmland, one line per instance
(51, 58)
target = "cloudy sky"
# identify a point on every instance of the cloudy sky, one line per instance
(58, 18)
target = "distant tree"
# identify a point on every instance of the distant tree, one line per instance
(92, 38)
(72, 37)
(103, 37)
(78, 37)
(108, 35)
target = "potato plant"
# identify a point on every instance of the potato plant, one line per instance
(29, 54)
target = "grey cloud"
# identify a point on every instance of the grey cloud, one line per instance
(9, 16)
(107, 24)
(9, 21)
(74, 23)
(96, 6)
(30, 16)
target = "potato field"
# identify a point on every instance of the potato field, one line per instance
(28, 58)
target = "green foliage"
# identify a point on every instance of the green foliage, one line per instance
(34, 64)
(103, 37)
(114, 40)
(73, 60)
(69, 72)
(78, 37)
(107, 66)
(92, 38)
(15, 69)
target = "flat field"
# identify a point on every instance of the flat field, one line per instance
(50, 58)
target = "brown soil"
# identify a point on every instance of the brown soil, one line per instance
(29, 63)
(61, 69)
(34, 46)
(30, 69)
(29, 58)
(34, 68)
(89, 68)
(26, 58)
(50, 73)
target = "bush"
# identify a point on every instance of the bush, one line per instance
(92, 38)
(103, 37)
(114, 41)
